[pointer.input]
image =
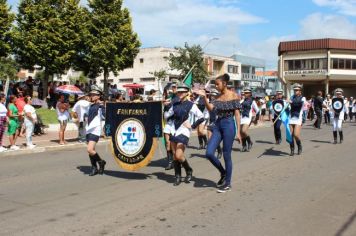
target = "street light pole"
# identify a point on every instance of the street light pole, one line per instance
(210, 40)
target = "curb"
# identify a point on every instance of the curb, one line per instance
(57, 147)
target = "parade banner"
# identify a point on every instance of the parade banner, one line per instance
(134, 129)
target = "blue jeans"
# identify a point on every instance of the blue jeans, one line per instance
(224, 130)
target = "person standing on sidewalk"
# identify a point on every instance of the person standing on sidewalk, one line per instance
(63, 117)
(12, 127)
(3, 120)
(81, 108)
(30, 121)
(93, 128)
(318, 108)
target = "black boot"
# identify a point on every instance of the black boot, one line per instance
(335, 137)
(200, 139)
(177, 172)
(291, 149)
(300, 149)
(205, 140)
(101, 163)
(341, 136)
(249, 143)
(94, 168)
(219, 152)
(244, 148)
(170, 160)
(188, 171)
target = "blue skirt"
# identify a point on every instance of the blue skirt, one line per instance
(179, 139)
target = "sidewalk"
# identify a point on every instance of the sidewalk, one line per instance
(45, 142)
(49, 141)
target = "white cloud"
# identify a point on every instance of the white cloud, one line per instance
(346, 7)
(173, 22)
(318, 25)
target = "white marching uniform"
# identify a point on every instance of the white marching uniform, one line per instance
(296, 119)
(337, 120)
(182, 129)
(246, 116)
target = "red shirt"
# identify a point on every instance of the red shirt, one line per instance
(20, 104)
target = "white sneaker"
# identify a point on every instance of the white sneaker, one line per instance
(2, 149)
(14, 147)
(31, 146)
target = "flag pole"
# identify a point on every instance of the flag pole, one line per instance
(185, 77)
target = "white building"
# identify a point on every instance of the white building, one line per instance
(320, 64)
(150, 60)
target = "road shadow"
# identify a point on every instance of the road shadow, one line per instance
(192, 147)
(273, 153)
(266, 142)
(236, 149)
(346, 225)
(71, 140)
(319, 141)
(197, 155)
(197, 182)
(159, 163)
(113, 173)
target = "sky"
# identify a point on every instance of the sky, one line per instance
(247, 27)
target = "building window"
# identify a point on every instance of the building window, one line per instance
(233, 69)
(354, 64)
(335, 63)
(126, 80)
(141, 60)
(341, 64)
(148, 79)
(348, 64)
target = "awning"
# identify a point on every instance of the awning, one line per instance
(133, 86)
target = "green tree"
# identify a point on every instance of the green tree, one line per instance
(161, 74)
(109, 43)
(186, 58)
(6, 19)
(8, 68)
(47, 34)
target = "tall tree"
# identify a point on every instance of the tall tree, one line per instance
(8, 68)
(110, 45)
(187, 57)
(47, 34)
(6, 19)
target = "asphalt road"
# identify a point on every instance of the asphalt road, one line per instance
(314, 194)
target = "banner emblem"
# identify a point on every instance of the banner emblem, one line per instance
(130, 137)
(278, 107)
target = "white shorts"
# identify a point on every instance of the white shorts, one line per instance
(168, 129)
(295, 121)
(246, 121)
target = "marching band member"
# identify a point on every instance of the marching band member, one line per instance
(278, 105)
(226, 106)
(339, 110)
(246, 117)
(169, 126)
(212, 119)
(199, 101)
(296, 115)
(93, 131)
(180, 112)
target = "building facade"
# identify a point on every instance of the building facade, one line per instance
(320, 64)
(150, 60)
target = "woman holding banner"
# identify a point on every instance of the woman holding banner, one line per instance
(296, 116)
(179, 112)
(227, 108)
(278, 106)
(93, 130)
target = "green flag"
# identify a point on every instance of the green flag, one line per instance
(188, 80)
